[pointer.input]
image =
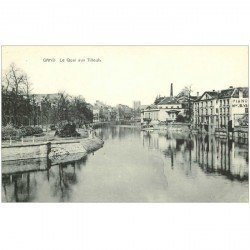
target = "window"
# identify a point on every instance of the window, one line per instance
(246, 110)
(217, 110)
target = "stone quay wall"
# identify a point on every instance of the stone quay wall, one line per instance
(56, 151)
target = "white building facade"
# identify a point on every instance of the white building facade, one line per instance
(220, 109)
(205, 111)
(165, 111)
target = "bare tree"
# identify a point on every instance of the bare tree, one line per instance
(63, 107)
(45, 110)
(6, 82)
(15, 85)
(17, 78)
(26, 86)
(186, 92)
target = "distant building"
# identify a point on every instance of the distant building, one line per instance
(100, 112)
(136, 105)
(103, 112)
(220, 109)
(166, 110)
(136, 111)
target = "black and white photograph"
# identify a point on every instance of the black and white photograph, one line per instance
(125, 124)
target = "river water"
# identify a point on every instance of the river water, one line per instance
(137, 166)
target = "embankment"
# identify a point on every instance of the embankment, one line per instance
(62, 152)
(174, 127)
(17, 158)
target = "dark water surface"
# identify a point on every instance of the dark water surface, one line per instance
(136, 166)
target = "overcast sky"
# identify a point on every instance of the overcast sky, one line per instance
(128, 73)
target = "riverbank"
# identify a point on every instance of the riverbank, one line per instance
(16, 158)
(127, 126)
(171, 127)
(75, 150)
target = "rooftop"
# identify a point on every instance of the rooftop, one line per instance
(152, 106)
(234, 92)
(212, 95)
(227, 93)
(168, 100)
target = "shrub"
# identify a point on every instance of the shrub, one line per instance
(38, 130)
(9, 131)
(53, 127)
(68, 130)
(27, 130)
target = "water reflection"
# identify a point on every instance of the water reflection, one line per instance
(136, 166)
(24, 186)
(213, 155)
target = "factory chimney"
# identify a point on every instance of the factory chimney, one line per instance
(171, 90)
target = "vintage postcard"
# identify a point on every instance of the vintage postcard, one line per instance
(125, 124)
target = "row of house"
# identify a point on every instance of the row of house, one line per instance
(227, 108)
(106, 113)
(212, 110)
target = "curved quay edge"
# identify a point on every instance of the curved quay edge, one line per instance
(73, 152)
(25, 159)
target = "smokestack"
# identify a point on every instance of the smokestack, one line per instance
(171, 90)
(198, 94)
